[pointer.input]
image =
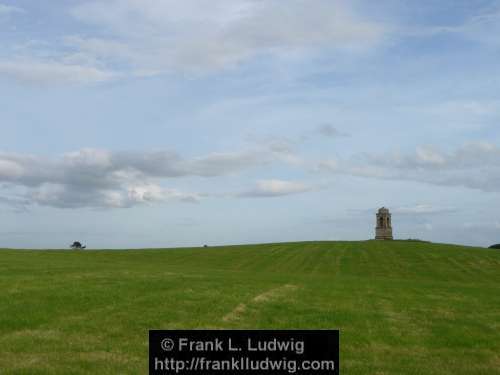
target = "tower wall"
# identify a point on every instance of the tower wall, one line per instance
(383, 229)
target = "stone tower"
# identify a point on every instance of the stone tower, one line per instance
(383, 231)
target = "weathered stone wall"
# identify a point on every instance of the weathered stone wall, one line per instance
(383, 229)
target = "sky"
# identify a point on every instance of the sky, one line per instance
(162, 123)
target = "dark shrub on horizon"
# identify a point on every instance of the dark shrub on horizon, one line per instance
(77, 245)
(497, 246)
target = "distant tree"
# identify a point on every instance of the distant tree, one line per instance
(77, 246)
(497, 246)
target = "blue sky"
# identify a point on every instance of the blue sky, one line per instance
(137, 123)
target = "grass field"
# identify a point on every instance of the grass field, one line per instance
(402, 307)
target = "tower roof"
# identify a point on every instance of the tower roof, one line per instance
(383, 210)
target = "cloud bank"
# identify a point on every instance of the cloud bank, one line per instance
(143, 38)
(475, 166)
(276, 188)
(99, 178)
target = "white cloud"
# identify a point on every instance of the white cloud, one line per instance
(426, 155)
(148, 37)
(150, 193)
(274, 188)
(483, 28)
(130, 194)
(10, 169)
(52, 72)
(6, 10)
(475, 165)
(422, 209)
(225, 163)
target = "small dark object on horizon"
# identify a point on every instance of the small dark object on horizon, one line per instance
(497, 246)
(205, 245)
(77, 245)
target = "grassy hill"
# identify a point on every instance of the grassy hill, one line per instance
(402, 307)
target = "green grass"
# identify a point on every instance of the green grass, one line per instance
(402, 307)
